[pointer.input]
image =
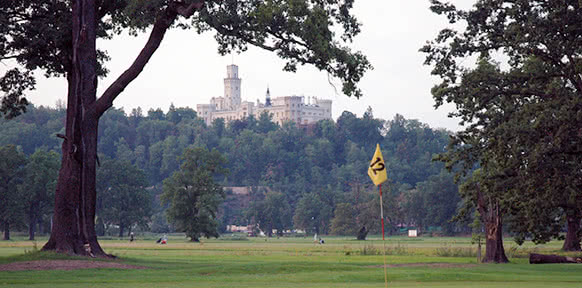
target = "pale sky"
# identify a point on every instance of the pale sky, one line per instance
(187, 70)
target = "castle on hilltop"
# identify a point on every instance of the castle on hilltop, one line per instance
(282, 109)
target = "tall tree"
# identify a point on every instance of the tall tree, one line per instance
(123, 199)
(541, 40)
(344, 222)
(301, 32)
(272, 212)
(440, 198)
(312, 214)
(11, 175)
(37, 188)
(193, 195)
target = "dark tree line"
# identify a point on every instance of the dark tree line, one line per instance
(310, 170)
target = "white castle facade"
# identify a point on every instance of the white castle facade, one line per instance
(282, 109)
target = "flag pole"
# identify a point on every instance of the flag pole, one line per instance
(383, 239)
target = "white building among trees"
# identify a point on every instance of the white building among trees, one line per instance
(283, 109)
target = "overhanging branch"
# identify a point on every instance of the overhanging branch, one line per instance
(162, 24)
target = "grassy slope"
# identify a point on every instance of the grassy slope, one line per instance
(289, 262)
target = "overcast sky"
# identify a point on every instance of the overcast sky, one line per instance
(187, 70)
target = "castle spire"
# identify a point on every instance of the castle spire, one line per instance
(268, 97)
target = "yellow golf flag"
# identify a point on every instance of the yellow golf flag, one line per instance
(377, 169)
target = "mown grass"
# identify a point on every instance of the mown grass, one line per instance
(293, 262)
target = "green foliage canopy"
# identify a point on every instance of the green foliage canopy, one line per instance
(522, 117)
(193, 195)
(123, 199)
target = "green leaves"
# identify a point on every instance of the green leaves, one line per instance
(13, 84)
(122, 196)
(516, 113)
(193, 195)
(299, 31)
(12, 165)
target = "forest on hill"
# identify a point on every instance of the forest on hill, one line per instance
(308, 177)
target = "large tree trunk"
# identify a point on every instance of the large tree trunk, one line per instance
(494, 251)
(492, 218)
(121, 230)
(6, 231)
(572, 242)
(74, 214)
(74, 217)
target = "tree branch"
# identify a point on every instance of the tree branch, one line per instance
(162, 24)
(190, 9)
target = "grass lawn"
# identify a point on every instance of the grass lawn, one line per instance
(296, 262)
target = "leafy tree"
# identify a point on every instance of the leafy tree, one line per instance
(37, 188)
(299, 32)
(415, 209)
(123, 199)
(541, 42)
(312, 214)
(11, 199)
(123, 152)
(482, 193)
(440, 197)
(176, 115)
(343, 222)
(113, 126)
(272, 212)
(265, 123)
(193, 195)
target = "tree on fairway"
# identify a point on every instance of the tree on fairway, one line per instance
(123, 199)
(193, 195)
(482, 193)
(272, 212)
(344, 222)
(312, 214)
(37, 189)
(440, 198)
(59, 37)
(524, 118)
(11, 200)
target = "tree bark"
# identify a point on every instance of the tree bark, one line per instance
(572, 242)
(494, 251)
(546, 259)
(492, 218)
(362, 233)
(120, 230)
(74, 217)
(6, 231)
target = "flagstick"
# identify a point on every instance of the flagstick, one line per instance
(383, 240)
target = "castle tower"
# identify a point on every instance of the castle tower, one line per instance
(268, 98)
(232, 98)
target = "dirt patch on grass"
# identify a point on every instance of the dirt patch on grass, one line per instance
(428, 265)
(64, 265)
